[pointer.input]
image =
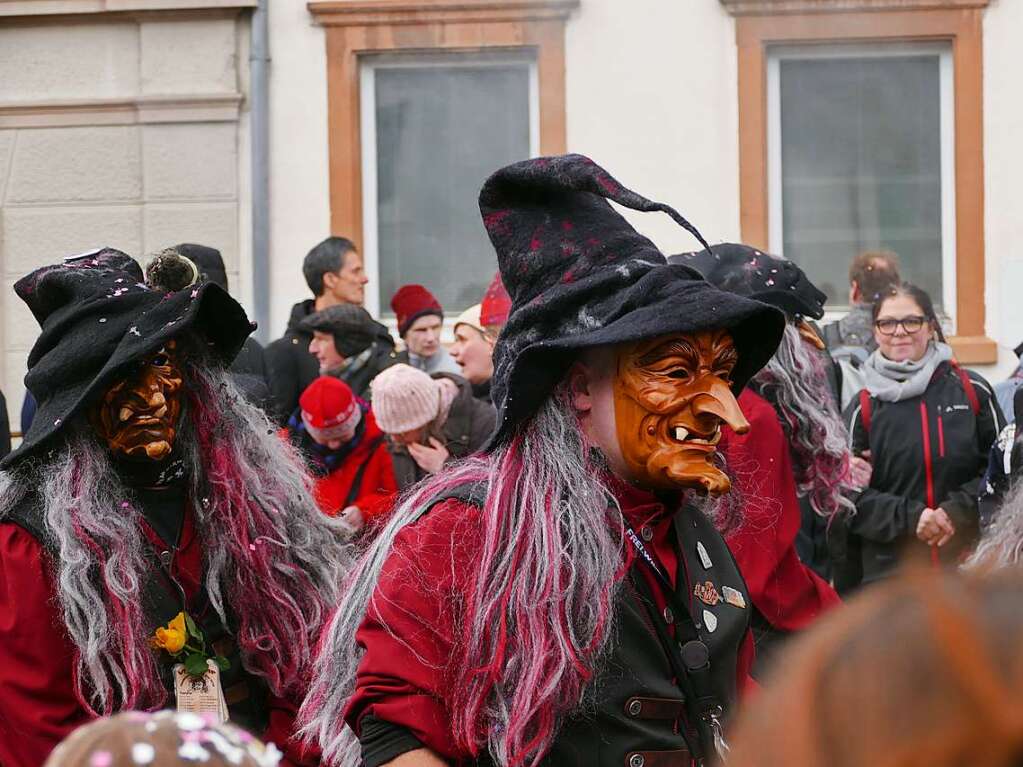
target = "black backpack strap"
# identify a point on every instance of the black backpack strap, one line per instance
(353, 491)
(472, 493)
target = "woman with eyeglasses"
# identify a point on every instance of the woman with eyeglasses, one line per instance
(926, 425)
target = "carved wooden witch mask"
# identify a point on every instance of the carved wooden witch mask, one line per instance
(138, 415)
(672, 394)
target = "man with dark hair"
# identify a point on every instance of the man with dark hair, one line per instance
(334, 272)
(850, 340)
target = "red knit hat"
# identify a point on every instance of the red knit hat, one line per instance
(329, 408)
(496, 304)
(412, 302)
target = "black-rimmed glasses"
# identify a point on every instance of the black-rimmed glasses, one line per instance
(910, 325)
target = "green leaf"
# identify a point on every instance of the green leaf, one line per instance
(195, 664)
(191, 628)
(223, 662)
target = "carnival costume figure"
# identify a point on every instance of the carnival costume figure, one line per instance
(560, 598)
(150, 512)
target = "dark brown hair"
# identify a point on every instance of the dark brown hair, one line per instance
(922, 671)
(874, 271)
(920, 296)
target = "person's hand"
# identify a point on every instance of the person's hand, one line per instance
(352, 517)
(430, 457)
(860, 471)
(935, 528)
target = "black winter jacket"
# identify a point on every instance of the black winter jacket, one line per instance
(468, 427)
(292, 367)
(929, 450)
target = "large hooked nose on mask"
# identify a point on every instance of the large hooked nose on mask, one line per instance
(716, 401)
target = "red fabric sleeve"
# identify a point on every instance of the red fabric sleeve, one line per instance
(280, 731)
(379, 487)
(408, 628)
(38, 707)
(785, 591)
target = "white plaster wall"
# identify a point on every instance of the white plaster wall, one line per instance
(652, 97)
(299, 172)
(112, 178)
(1003, 169)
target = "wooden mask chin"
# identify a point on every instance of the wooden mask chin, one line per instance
(671, 395)
(137, 417)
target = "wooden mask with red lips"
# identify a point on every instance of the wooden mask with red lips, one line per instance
(137, 417)
(672, 394)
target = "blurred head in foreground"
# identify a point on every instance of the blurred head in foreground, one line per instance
(922, 671)
(136, 739)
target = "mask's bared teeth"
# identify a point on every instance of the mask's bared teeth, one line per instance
(126, 414)
(681, 432)
(716, 438)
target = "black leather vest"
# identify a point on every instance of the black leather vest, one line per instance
(245, 693)
(634, 712)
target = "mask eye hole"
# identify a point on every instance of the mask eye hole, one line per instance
(680, 374)
(160, 359)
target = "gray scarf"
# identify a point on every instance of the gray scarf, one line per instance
(896, 381)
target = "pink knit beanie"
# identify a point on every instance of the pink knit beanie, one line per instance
(404, 398)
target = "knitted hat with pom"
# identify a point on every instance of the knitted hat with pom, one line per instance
(329, 409)
(404, 399)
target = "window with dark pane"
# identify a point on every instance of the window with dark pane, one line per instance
(440, 131)
(861, 166)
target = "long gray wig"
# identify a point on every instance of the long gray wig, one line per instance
(269, 555)
(795, 382)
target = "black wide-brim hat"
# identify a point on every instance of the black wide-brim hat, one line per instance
(99, 320)
(581, 277)
(752, 273)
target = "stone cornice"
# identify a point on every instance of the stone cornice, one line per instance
(128, 111)
(76, 7)
(392, 12)
(779, 7)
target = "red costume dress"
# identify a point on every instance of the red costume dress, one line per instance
(38, 706)
(787, 593)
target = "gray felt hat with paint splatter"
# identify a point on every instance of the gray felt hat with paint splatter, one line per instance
(99, 320)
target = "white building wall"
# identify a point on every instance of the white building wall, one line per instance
(120, 131)
(1003, 170)
(299, 155)
(652, 97)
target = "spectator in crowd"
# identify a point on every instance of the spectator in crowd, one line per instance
(917, 402)
(163, 739)
(851, 339)
(920, 672)
(793, 465)
(420, 321)
(249, 367)
(430, 420)
(334, 273)
(473, 350)
(350, 345)
(346, 452)
(495, 307)
(1006, 390)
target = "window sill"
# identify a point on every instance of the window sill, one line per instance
(53, 7)
(974, 350)
(779, 7)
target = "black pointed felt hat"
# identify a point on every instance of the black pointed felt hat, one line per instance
(98, 320)
(750, 272)
(580, 277)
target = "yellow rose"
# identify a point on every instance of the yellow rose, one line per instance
(171, 638)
